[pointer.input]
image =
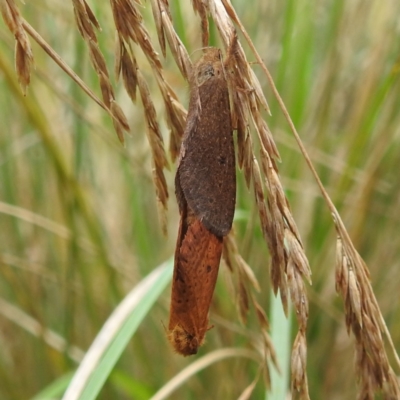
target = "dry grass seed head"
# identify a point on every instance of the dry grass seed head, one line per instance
(278, 209)
(124, 11)
(156, 145)
(276, 199)
(245, 280)
(295, 252)
(200, 7)
(297, 294)
(236, 62)
(176, 46)
(364, 318)
(273, 219)
(299, 361)
(265, 136)
(259, 193)
(23, 65)
(11, 15)
(175, 115)
(354, 296)
(261, 315)
(392, 386)
(97, 58)
(248, 161)
(342, 271)
(256, 86)
(155, 6)
(91, 16)
(129, 24)
(222, 21)
(85, 20)
(119, 115)
(240, 126)
(107, 92)
(236, 263)
(155, 137)
(23, 50)
(119, 120)
(162, 198)
(129, 72)
(243, 301)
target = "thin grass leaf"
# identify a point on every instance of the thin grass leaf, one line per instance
(280, 335)
(55, 389)
(115, 334)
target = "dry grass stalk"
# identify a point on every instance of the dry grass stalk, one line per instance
(62, 64)
(86, 22)
(23, 51)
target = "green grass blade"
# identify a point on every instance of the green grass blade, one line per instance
(280, 336)
(55, 389)
(115, 334)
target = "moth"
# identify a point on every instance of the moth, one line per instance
(205, 187)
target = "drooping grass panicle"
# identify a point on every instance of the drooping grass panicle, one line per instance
(130, 29)
(364, 319)
(86, 22)
(246, 283)
(289, 264)
(363, 315)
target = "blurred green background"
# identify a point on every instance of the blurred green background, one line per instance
(78, 214)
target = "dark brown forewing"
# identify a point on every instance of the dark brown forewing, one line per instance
(207, 167)
(195, 274)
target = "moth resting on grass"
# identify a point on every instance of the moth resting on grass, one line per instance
(205, 186)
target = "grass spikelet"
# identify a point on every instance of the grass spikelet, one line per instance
(23, 51)
(86, 21)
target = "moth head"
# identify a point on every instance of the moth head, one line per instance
(210, 65)
(183, 342)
